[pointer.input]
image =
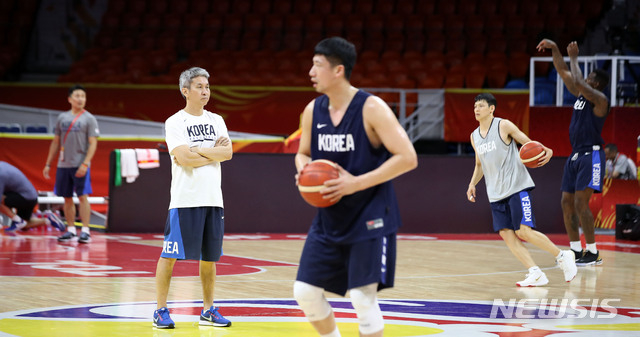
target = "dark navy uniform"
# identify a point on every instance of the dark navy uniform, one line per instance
(351, 243)
(585, 167)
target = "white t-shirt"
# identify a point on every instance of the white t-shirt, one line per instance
(199, 186)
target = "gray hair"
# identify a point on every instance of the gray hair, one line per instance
(188, 75)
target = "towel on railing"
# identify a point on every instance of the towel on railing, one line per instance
(129, 165)
(148, 158)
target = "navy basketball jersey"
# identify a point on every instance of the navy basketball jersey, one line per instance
(585, 129)
(365, 214)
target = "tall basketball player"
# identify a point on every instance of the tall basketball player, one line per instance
(198, 142)
(585, 168)
(508, 185)
(352, 244)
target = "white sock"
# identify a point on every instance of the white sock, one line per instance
(576, 245)
(72, 230)
(334, 333)
(85, 229)
(16, 218)
(592, 247)
(534, 269)
(559, 256)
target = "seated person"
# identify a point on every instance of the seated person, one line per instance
(18, 193)
(619, 166)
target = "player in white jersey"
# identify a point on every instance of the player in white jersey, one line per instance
(508, 184)
(198, 142)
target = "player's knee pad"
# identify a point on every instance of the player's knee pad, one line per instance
(311, 300)
(365, 302)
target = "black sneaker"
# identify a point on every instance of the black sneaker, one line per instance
(578, 253)
(589, 259)
(84, 237)
(66, 237)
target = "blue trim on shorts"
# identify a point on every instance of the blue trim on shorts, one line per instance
(596, 176)
(513, 211)
(172, 246)
(194, 233)
(527, 214)
(583, 170)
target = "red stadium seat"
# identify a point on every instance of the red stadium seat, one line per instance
(454, 80)
(334, 25)
(273, 24)
(433, 80)
(198, 7)
(254, 23)
(261, 7)
(474, 24)
(159, 6)
(457, 45)
(475, 77)
(436, 43)
(454, 25)
(467, 8)
(406, 8)
(313, 24)
(508, 8)
(343, 7)
(477, 43)
(494, 25)
(434, 24)
(446, 7)
(240, 7)
(293, 23)
(302, 7)
(529, 8)
(384, 8)
(321, 8)
(137, 7)
(353, 26)
(518, 64)
(497, 75)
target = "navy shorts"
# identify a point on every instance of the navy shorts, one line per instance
(67, 182)
(24, 207)
(582, 170)
(194, 234)
(512, 212)
(338, 268)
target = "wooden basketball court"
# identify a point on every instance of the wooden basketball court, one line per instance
(446, 285)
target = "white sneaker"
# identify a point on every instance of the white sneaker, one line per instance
(567, 262)
(534, 279)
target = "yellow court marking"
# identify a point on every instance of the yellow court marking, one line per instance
(610, 327)
(37, 328)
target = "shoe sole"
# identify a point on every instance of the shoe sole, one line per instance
(84, 241)
(163, 326)
(209, 323)
(66, 240)
(597, 263)
(532, 285)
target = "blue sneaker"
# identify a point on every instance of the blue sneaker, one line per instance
(55, 221)
(15, 225)
(162, 320)
(212, 317)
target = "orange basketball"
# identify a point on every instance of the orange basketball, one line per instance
(311, 181)
(530, 153)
